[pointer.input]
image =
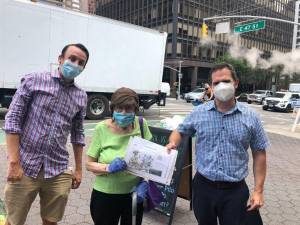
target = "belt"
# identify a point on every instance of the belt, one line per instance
(220, 184)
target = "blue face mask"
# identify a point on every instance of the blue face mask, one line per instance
(70, 70)
(123, 120)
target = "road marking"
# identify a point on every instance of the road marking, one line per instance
(179, 113)
(177, 110)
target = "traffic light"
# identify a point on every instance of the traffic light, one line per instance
(204, 30)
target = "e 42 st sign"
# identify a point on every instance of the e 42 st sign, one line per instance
(250, 27)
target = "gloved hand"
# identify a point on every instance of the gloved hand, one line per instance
(141, 190)
(117, 165)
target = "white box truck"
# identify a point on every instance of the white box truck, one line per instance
(294, 87)
(32, 36)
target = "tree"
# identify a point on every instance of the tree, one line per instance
(250, 78)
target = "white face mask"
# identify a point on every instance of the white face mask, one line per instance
(224, 91)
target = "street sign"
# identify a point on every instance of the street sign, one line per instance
(250, 27)
(223, 28)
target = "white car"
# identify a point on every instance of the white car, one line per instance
(259, 96)
(195, 94)
(281, 101)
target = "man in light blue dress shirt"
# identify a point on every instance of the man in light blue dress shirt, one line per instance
(224, 130)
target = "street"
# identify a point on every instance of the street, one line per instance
(282, 188)
(274, 122)
(67, 57)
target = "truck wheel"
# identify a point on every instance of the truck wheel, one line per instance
(265, 107)
(97, 107)
(249, 102)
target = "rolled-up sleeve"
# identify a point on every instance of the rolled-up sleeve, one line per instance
(259, 139)
(18, 107)
(188, 125)
(77, 131)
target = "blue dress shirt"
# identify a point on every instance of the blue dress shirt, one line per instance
(223, 139)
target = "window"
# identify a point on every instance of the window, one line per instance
(279, 95)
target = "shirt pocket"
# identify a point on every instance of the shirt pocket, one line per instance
(240, 136)
(208, 131)
(68, 107)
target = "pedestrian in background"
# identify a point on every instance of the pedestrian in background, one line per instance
(111, 196)
(46, 108)
(208, 94)
(225, 129)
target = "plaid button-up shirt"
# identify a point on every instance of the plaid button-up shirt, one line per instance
(223, 139)
(44, 111)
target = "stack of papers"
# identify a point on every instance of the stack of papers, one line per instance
(150, 160)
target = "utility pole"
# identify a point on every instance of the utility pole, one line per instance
(179, 78)
(296, 35)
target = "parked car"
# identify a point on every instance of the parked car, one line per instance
(281, 101)
(258, 96)
(243, 97)
(193, 95)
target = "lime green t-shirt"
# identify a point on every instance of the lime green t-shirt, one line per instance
(105, 147)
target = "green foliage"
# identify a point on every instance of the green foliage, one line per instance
(250, 78)
(2, 209)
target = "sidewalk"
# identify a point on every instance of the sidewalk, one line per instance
(282, 191)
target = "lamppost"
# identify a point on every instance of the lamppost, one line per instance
(179, 76)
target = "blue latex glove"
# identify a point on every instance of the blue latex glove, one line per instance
(117, 165)
(141, 191)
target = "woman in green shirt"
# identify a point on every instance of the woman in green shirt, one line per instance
(111, 195)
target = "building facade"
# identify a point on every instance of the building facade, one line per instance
(88, 6)
(182, 20)
(296, 36)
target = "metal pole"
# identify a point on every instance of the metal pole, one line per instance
(249, 16)
(179, 79)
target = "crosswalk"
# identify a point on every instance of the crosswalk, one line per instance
(173, 107)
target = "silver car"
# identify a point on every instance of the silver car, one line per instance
(259, 96)
(193, 95)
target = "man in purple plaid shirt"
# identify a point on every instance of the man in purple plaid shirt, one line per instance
(46, 108)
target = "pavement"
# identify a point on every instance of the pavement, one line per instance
(282, 191)
(282, 187)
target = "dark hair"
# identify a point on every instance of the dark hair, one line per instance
(78, 45)
(124, 98)
(221, 66)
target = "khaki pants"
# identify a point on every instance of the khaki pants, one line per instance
(53, 194)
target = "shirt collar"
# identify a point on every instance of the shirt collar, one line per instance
(212, 106)
(56, 75)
